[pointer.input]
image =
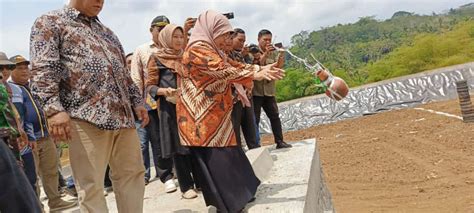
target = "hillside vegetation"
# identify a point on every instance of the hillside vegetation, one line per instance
(371, 50)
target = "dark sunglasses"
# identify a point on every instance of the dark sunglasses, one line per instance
(8, 67)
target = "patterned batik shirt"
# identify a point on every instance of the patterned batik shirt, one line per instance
(78, 66)
(205, 104)
(236, 56)
(139, 70)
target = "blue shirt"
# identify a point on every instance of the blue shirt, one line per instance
(34, 121)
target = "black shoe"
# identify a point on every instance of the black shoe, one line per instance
(147, 181)
(283, 145)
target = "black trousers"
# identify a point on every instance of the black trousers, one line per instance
(269, 105)
(186, 167)
(16, 193)
(163, 166)
(244, 117)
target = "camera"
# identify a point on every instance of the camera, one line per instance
(278, 45)
(229, 15)
(254, 49)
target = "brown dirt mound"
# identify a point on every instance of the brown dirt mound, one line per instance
(398, 161)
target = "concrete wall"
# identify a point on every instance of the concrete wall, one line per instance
(318, 197)
(397, 93)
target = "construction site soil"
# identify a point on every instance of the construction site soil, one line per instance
(398, 161)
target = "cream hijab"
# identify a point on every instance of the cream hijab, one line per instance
(168, 56)
(209, 26)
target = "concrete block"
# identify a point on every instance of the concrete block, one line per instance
(285, 188)
(261, 162)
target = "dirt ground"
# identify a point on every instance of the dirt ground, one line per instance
(399, 161)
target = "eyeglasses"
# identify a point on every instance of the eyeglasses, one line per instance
(8, 67)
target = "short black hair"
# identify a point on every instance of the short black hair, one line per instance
(264, 32)
(128, 55)
(238, 30)
(232, 33)
(8, 66)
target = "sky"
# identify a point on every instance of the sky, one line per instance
(130, 19)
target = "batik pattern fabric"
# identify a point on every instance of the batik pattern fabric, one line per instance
(236, 56)
(205, 104)
(139, 70)
(79, 67)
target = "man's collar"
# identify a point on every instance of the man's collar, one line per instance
(10, 80)
(73, 13)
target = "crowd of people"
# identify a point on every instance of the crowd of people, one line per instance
(189, 93)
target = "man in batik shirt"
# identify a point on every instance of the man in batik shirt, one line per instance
(150, 135)
(82, 82)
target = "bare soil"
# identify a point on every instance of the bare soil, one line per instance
(398, 161)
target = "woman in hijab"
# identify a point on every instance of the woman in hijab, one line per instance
(161, 84)
(204, 109)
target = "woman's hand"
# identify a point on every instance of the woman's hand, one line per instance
(173, 98)
(167, 92)
(269, 72)
(241, 95)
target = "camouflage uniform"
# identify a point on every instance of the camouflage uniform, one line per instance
(10, 121)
